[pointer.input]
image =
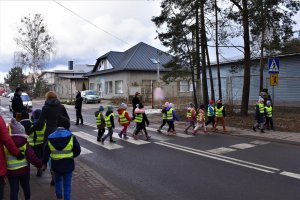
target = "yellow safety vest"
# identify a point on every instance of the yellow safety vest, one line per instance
(208, 111)
(107, 120)
(170, 114)
(219, 111)
(39, 137)
(198, 117)
(138, 118)
(123, 119)
(269, 111)
(189, 113)
(98, 119)
(261, 108)
(66, 152)
(12, 162)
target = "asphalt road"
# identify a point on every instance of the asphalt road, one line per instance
(210, 167)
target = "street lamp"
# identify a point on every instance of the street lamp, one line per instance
(154, 61)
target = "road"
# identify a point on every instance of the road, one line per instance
(214, 166)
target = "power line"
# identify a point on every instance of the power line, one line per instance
(91, 23)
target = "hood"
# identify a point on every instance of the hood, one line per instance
(168, 108)
(108, 113)
(19, 139)
(139, 110)
(219, 105)
(60, 138)
(120, 111)
(52, 102)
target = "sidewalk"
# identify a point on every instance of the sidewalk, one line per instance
(86, 185)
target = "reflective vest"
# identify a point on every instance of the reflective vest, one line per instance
(107, 120)
(98, 119)
(269, 111)
(210, 114)
(39, 137)
(138, 118)
(261, 108)
(189, 113)
(12, 162)
(123, 119)
(198, 117)
(170, 114)
(219, 111)
(66, 152)
(164, 115)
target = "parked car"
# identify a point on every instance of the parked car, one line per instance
(10, 95)
(90, 96)
(27, 102)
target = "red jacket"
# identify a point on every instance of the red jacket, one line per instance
(5, 140)
(120, 111)
(20, 140)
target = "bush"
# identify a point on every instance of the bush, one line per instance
(117, 100)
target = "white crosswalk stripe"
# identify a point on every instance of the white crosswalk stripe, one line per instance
(165, 132)
(85, 151)
(242, 146)
(153, 136)
(221, 150)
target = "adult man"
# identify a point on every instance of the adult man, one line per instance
(17, 103)
(78, 107)
(135, 101)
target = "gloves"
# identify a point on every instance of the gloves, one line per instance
(20, 156)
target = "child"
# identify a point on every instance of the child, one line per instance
(25, 121)
(259, 115)
(124, 120)
(62, 147)
(18, 171)
(100, 122)
(141, 121)
(190, 117)
(269, 115)
(171, 117)
(200, 120)
(220, 115)
(109, 122)
(164, 117)
(36, 138)
(211, 113)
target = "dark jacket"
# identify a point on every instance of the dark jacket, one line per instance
(78, 102)
(112, 121)
(59, 139)
(164, 111)
(5, 140)
(135, 101)
(50, 110)
(17, 103)
(102, 125)
(20, 140)
(27, 125)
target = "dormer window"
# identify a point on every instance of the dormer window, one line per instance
(104, 64)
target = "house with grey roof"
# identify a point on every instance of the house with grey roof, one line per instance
(135, 70)
(67, 82)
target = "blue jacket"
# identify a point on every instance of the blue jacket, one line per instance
(59, 139)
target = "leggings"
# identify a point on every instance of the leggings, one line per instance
(163, 123)
(171, 126)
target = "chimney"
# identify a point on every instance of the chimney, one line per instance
(70, 65)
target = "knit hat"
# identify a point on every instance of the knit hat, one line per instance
(63, 122)
(16, 127)
(109, 108)
(211, 102)
(171, 105)
(268, 102)
(219, 101)
(141, 106)
(260, 99)
(192, 105)
(101, 108)
(123, 105)
(201, 106)
(167, 104)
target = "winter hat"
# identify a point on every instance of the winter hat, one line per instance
(211, 102)
(63, 122)
(16, 127)
(101, 108)
(167, 104)
(109, 108)
(123, 105)
(36, 114)
(268, 102)
(141, 106)
(260, 99)
(201, 106)
(50, 95)
(219, 101)
(192, 105)
(24, 115)
(171, 105)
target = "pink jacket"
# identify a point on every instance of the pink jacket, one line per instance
(201, 116)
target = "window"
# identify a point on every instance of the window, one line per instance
(108, 87)
(184, 86)
(119, 87)
(92, 85)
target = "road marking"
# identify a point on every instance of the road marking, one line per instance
(221, 150)
(165, 132)
(290, 174)
(242, 146)
(259, 142)
(215, 158)
(84, 151)
(157, 137)
(218, 156)
(130, 139)
(93, 139)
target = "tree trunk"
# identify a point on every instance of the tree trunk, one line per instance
(262, 65)
(246, 36)
(217, 51)
(197, 52)
(212, 89)
(203, 49)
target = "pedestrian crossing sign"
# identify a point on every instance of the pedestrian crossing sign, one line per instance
(273, 64)
(273, 79)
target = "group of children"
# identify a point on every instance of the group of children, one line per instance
(263, 115)
(61, 147)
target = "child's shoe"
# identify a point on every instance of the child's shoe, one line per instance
(135, 136)
(112, 141)
(125, 137)
(158, 130)
(120, 135)
(148, 137)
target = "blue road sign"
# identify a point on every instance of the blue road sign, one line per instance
(273, 64)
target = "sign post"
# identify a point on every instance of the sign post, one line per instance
(273, 64)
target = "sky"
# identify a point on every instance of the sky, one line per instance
(125, 23)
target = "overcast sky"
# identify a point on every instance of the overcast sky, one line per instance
(77, 40)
